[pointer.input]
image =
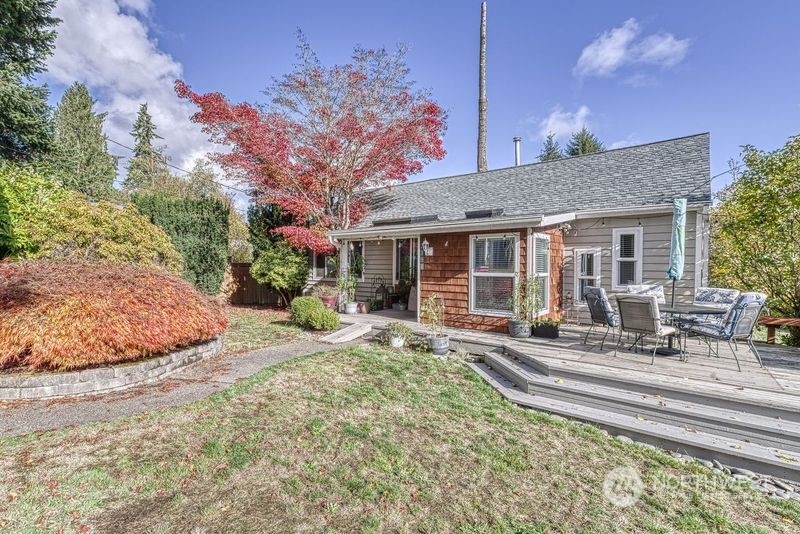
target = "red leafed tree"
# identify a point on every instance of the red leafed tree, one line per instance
(325, 137)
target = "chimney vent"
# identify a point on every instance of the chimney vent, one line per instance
(517, 141)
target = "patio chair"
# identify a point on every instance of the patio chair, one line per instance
(639, 315)
(716, 297)
(647, 290)
(601, 312)
(738, 324)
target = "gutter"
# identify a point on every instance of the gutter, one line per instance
(462, 225)
(643, 210)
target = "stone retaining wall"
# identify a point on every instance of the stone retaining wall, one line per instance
(103, 379)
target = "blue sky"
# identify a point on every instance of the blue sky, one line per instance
(634, 72)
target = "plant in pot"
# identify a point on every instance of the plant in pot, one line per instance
(347, 283)
(432, 314)
(328, 294)
(519, 325)
(398, 334)
(546, 328)
(403, 290)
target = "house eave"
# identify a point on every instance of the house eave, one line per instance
(640, 210)
(463, 225)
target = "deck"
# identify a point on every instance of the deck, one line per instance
(704, 407)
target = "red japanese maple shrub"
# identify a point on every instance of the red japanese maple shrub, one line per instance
(71, 315)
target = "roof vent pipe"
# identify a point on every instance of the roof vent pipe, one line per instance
(517, 141)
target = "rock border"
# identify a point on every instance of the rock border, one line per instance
(104, 379)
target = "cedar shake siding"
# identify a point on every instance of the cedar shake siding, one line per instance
(446, 273)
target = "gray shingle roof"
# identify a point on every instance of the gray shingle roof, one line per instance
(642, 175)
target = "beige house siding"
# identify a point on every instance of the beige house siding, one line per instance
(377, 262)
(656, 230)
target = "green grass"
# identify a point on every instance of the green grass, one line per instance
(253, 328)
(358, 440)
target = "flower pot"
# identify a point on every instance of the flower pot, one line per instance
(363, 307)
(330, 302)
(519, 328)
(351, 308)
(549, 331)
(399, 306)
(439, 345)
(397, 342)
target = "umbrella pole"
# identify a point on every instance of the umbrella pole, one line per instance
(673, 292)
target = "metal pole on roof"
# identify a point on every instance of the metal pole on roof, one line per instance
(483, 102)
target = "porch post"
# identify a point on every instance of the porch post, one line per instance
(419, 274)
(343, 269)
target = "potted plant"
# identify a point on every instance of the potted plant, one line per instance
(403, 289)
(398, 333)
(328, 294)
(519, 324)
(347, 285)
(432, 314)
(546, 328)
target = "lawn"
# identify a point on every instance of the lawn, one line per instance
(254, 328)
(363, 439)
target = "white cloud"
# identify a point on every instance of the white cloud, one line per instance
(619, 47)
(104, 44)
(628, 141)
(564, 123)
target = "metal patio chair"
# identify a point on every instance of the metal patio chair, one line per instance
(601, 312)
(738, 324)
(639, 315)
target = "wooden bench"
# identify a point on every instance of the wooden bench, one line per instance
(773, 322)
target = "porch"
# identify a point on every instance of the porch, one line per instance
(703, 407)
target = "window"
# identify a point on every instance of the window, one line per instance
(494, 265)
(587, 270)
(327, 266)
(541, 269)
(324, 266)
(405, 261)
(627, 267)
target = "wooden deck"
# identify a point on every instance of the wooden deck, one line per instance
(704, 407)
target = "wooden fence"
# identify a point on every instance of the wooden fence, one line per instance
(248, 291)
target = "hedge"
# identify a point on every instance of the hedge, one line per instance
(72, 315)
(41, 220)
(198, 228)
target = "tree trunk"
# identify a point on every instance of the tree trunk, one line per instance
(483, 103)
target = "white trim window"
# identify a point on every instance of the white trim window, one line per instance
(587, 271)
(627, 266)
(404, 260)
(540, 254)
(493, 271)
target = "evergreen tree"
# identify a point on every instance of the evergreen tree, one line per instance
(550, 150)
(148, 166)
(80, 157)
(584, 142)
(27, 38)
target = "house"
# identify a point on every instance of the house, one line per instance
(599, 219)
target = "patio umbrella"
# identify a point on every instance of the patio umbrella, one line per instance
(678, 243)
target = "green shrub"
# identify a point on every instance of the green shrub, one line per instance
(310, 312)
(198, 228)
(283, 268)
(42, 220)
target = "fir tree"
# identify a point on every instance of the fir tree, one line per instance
(148, 166)
(551, 149)
(80, 157)
(27, 38)
(584, 142)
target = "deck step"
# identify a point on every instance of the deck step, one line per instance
(694, 416)
(771, 404)
(771, 461)
(348, 333)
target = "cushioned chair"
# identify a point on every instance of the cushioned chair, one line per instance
(639, 315)
(737, 324)
(716, 297)
(647, 290)
(601, 312)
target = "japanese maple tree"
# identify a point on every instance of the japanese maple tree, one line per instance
(327, 135)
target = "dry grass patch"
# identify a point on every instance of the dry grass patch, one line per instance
(254, 328)
(355, 440)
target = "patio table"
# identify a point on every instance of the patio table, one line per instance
(677, 310)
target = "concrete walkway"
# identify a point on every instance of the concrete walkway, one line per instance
(182, 387)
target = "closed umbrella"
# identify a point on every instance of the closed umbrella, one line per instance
(678, 243)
